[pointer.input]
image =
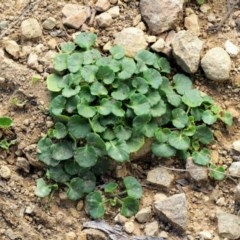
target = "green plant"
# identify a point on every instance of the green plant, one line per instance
(105, 108)
(35, 79)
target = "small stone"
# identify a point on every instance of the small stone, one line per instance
(23, 164)
(205, 8)
(31, 29)
(28, 210)
(120, 219)
(191, 24)
(196, 173)
(141, 26)
(161, 177)
(74, 15)
(70, 236)
(12, 48)
(129, 227)
(163, 235)
(3, 24)
(236, 145)
(186, 50)
(221, 201)
(173, 210)
(159, 45)
(92, 234)
(234, 169)
(216, 64)
(205, 235)
(231, 48)
(144, 215)
(114, 11)
(104, 20)
(52, 43)
(32, 61)
(5, 172)
(80, 205)
(102, 5)
(137, 20)
(113, 1)
(237, 195)
(49, 23)
(161, 16)
(159, 197)
(151, 39)
(151, 229)
(107, 46)
(132, 39)
(228, 225)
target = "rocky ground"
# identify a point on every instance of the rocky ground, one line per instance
(177, 205)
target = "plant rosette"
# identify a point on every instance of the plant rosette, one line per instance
(107, 107)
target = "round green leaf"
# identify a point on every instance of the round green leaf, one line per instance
(72, 168)
(74, 62)
(182, 83)
(135, 143)
(146, 57)
(163, 150)
(98, 89)
(117, 151)
(121, 93)
(110, 187)
(153, 77)
(106, 74)
(153, 97)
(42, 189)
(59, 131)
(159, 109)
(75, 189)
(133, 187)
(128, 68)
(217, 173)
(226, 117)
(62, 150)
(53, 81)
(60, 62)
(202, 157)
(122, 132)
(85, 110)
(88, 73)
(192, 98)
(139, 103)
(85, 156)
(70, 91)
(78, 127)
(130, 207)
(117, 109)
(162, 134)
(57, 174)
(85, 40)
(164, 65)
(140, 85)
(179, 141)
(5, 122)
(67, 47)
(208, 117)
(89, 180)
(94, 205)
(96, 141)
(179, 118)
(117, 52)
(173, 98)
(203, 134)
(91, 56)
(57, 104)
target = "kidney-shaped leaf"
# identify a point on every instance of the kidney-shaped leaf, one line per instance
(75, 189)
(5, 122)
(85, 40)
(62, 150)
(179, 141)
(117, 151)
(133, 187)
(192, 98)
(42, 189)
(130, 207)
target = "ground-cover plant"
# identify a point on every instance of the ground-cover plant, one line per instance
(5, 123)
(105, 107)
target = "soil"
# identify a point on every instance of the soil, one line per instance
(22, 214)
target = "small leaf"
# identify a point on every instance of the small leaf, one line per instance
(62, 150)
(163, 150)
(164, 65)
(202, 157)
(42, 189)
(106, 74)
(57, 105)
(96, 141)
(135, 143)
(140, 85)
(139, 103)
(203, 134)
(129, 207)
(117, 109)
(59, 131)
(91, 56)
(88, 73)
(70, 91)
(110, 187)
(67, 47)
(96, 126)
(85, 156)
(226, 117)
(173, 98)
(85, 110)
(159, 109)
(57, 174)
(208, 117)
(85, 40)
(72, 168)
(179, 141)
(189, 131)
(197, 113)
(52, 82)
(98, 89)
(153, 77)
(179, 118)
(192, 98)
(60, 62)
(133, 187)
(89, 181)
(146, 57)
(182, 83)
(117, 151)
(75, 189)
(105, 107)
(128, 68)
(117, 52)
(78, 127)
(153, 97)
(94, 205)
(74, 62)
(217, 173)
(121, 93)
(5, 122)
(122, 132)
(162, 134)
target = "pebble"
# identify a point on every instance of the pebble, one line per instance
(104, 20)
(102, 5)
(114, 11)
(5, 172)
(132, 39)
(160, 16)
(204, 8)
(32, 61)
(216, 64)
(237, 195)
(205, 235)
(31, 29)
(70, 236)
(3, 24)
(236, 145)
(234, 169)
(120, 219)
(74, 15)
(159, 45)
(151, 39)
(129, 227)
(191, 24)
(12, 48)
(49, 23)
(144, 215)
(23, 164)
(151, 229)
(231, 48)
